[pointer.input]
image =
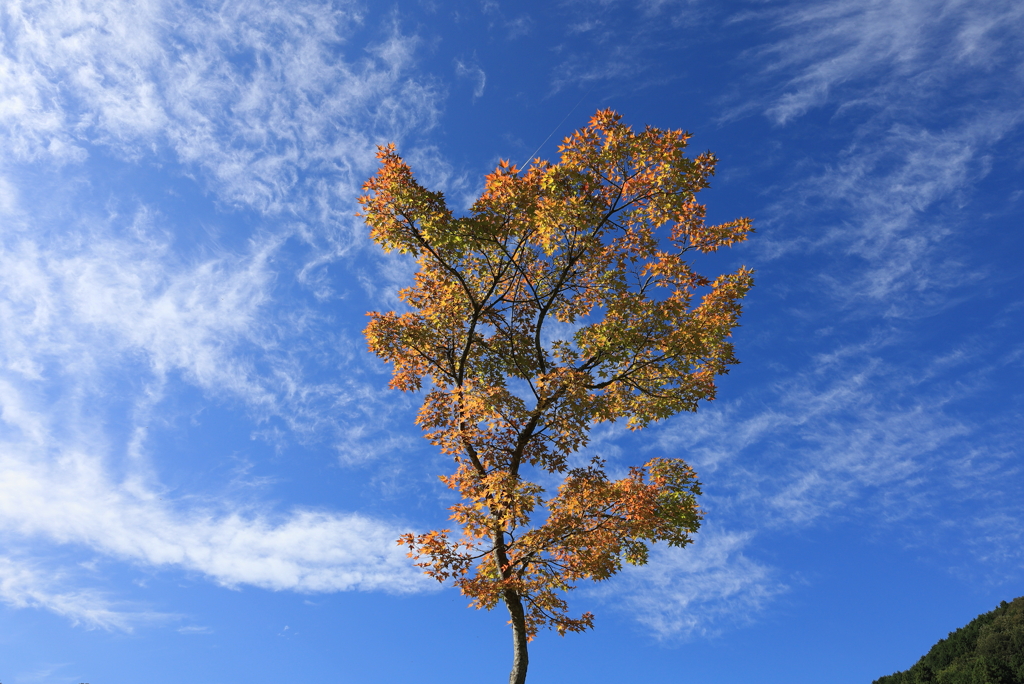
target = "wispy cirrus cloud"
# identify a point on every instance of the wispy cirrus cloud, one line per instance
(270, 107)
(471, 69)
(696, 591)
(907, 81)
(30, 585)
(867, 434)
(856, 433)
(66, 491)
(100, 333)
(897, 76)
(886, 188)
(882, 53)
(866, 430)
(78, 304)
(306, 551)
(884, 216)
(110, 306)
(267, 100)
(882, 211)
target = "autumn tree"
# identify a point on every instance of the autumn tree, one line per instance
(562, 300)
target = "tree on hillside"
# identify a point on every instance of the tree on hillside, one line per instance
(562, 300)
(987, 650)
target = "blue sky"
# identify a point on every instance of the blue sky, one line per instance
(202, 471)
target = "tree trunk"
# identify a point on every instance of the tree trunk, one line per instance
(520, 658)
(514, 603)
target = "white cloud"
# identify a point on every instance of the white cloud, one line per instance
(27, 585)
(98, 325)
(77, 324)
(863, 427)
(897, 50)
(76, 306)
(259, 96)
(887, 188)
(110, 303)
(696, 590)
(853, 435)
(272, 106)
(473, 72)
(851, 438)
(67, 493)
(912, 84)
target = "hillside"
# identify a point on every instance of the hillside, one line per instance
(988, 650)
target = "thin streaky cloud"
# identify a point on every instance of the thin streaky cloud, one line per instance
(874, 50)
(472, 71)
(70, 497)
(882, 186)
(696, 591)
(83, 308)
(850, 438)
(255, 96)
(75, 312)
(873, 437)
(875, 203)
(77, 321)
(30, 585)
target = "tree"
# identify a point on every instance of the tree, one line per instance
(987, 650)
(561, 301)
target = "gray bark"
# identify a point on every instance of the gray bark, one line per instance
(520, 657)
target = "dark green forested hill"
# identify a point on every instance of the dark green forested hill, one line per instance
(988, 650)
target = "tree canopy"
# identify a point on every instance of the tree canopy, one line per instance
(562, 300)
(987, 650)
